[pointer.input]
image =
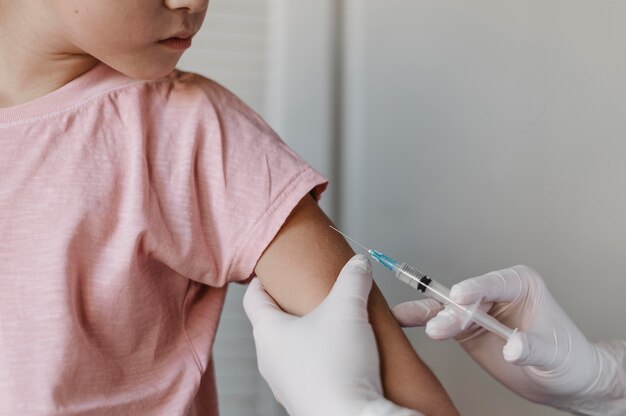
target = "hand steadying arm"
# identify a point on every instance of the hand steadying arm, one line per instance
(298, 269)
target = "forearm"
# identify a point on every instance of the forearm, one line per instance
(299, 268)
(407, 381)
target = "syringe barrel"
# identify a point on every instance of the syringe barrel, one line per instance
(438, 292)
(435, 290)
(419, 281)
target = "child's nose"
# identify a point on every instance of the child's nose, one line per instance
(193, 6)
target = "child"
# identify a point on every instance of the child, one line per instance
(130, 195)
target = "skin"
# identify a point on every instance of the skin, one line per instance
(45, 44)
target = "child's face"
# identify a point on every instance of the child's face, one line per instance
(124, 34)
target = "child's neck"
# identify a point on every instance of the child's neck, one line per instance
(34, 62)
(24, 82)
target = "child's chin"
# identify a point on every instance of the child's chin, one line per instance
(149, 71)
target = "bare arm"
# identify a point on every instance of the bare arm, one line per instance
(299, 268)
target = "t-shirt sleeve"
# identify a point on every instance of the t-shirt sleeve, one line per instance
(222, 183)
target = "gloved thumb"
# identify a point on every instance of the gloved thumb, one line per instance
(355, 278)
(352, 287)
(506, 285)
(527, 349)
(258, 304)
(417, 312)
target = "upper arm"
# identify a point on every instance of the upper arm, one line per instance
(298, 270)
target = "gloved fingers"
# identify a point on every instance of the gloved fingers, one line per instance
(527, 349)
(498, 286)
(258, 304)
(417, 312)
(445, 325)
(449, 323)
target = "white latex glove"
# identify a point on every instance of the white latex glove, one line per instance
(549, 361)
(324, 363)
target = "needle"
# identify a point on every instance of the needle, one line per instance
(354, 241)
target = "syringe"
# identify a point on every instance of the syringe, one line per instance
(435, 290)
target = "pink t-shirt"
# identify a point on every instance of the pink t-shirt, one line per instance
(126, 206)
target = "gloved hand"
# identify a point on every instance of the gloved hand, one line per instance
(549, 361)
(324, 363)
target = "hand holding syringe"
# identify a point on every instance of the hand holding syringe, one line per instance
(435, 290)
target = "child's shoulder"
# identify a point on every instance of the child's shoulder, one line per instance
(189, 83)
(205, 99)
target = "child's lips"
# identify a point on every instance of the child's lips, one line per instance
(177, 43)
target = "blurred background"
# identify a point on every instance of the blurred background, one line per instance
(459, 136)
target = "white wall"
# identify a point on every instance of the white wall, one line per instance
(485, 134)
